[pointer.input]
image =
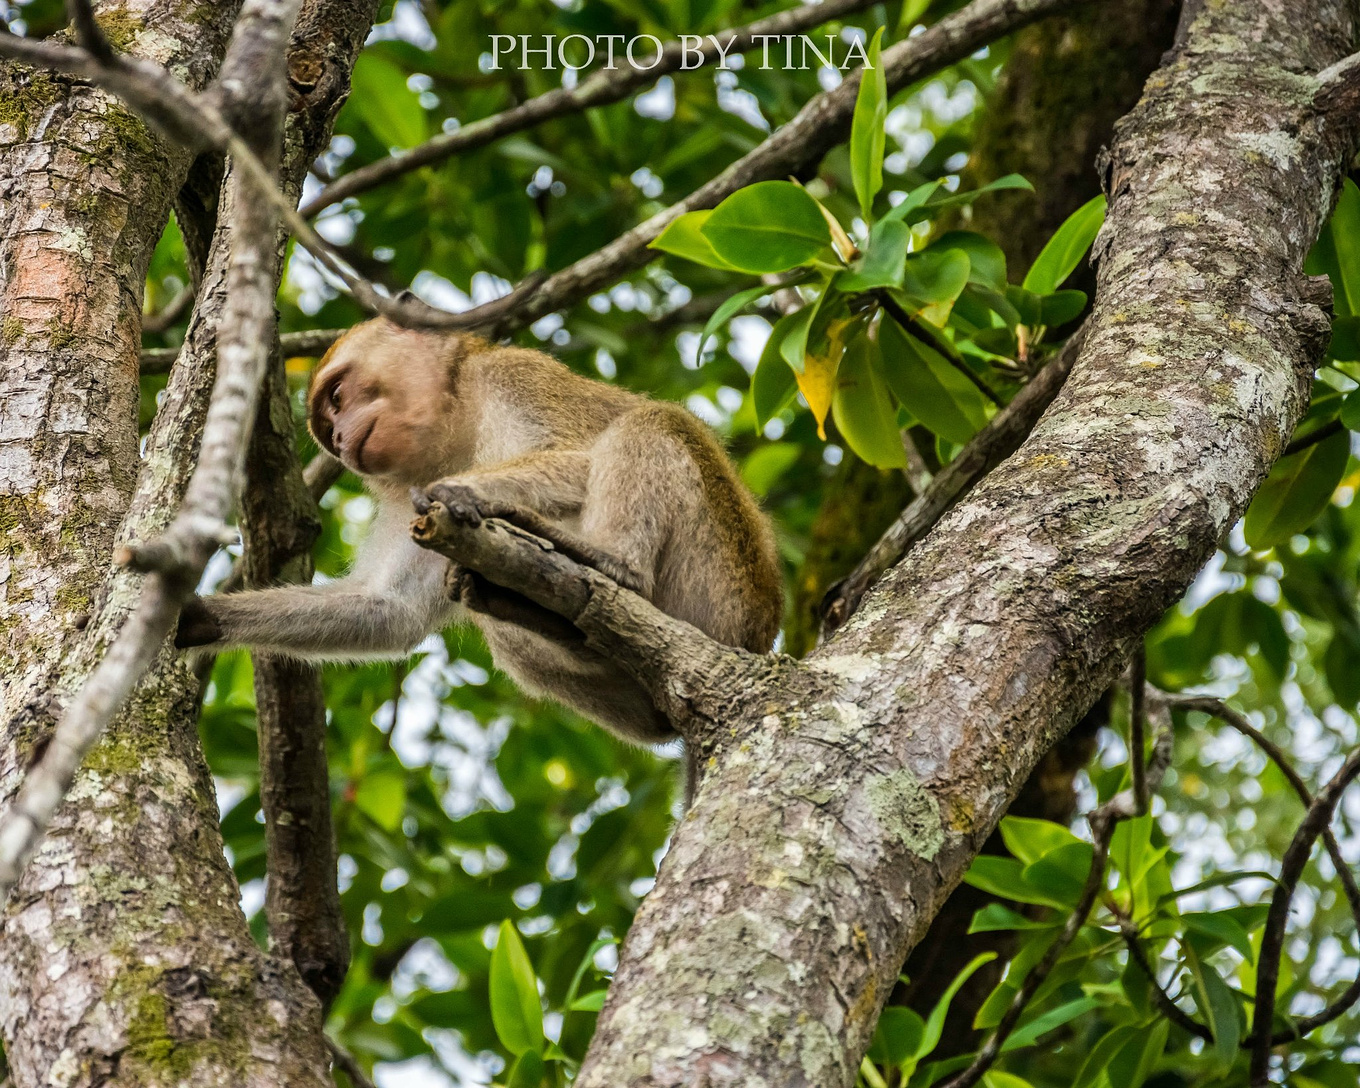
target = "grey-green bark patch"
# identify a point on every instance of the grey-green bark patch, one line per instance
(22, 104)
(906, 811)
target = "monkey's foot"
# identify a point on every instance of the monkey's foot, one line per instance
(465, 504)
(197, 625)
(485, 598)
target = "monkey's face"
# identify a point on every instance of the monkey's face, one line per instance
(381, 407)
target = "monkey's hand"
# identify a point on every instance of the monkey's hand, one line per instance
(466, 504)
(197, 625)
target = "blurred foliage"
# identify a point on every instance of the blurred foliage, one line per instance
(462, 805)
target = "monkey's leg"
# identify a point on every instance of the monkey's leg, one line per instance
(465, 503)
(476, 594)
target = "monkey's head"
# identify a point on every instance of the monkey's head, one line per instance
(381, 400)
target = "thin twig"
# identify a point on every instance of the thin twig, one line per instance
(1234, 718)
(1314, 822)
(947, 351)
(167, 315)
(1001, 437)
(312, 342)
(348, 1064)
(1312, 438)
(1103, 822)
(602, 88)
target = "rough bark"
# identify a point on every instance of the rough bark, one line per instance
(845, 795)
(1066, 82)
(124, 956)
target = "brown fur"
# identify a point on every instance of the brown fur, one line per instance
(639, 489)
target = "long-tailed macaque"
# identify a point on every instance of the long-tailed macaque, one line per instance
(639, 490)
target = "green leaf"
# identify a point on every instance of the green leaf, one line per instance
(685, 238)
(996, 918)
(986, 260)
(1297, 490)
(996, 1078)
(929, 388)
(1337, 251)
(528, 1072)
(897, 1037)
(768, 463)
(390, 109)
(1219, 1005)
(381, 796)
(867, 132)
(1027, 304)
(774, 383)
(729, 309)
(591, 1002)
(1003, 877)
(1100, 1056)
(516, 1011)
(1061, 872)
(936, 275)
(935, 1021)
(863, 408)
(1066, 248)
(883, 263)
(1027, 1034)
(1061, 307)
(770, 226)
(930, 206)
(1221, 929)
(1350, 410)
(914, 199)
(1030, 839)
(1345, 344)
(1216, 881)
(1136, 1058)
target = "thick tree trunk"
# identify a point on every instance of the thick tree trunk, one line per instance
(124, 957)
(847, 794)
(1066, 82)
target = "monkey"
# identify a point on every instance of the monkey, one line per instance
(638, 489)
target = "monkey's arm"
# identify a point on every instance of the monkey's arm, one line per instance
(549, 482)
(395, 597)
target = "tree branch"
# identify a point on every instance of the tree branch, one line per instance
(1314, 822)
(1234, 718)
(997, 440)
(675, 662)
(176, 560)
(1313, 437)
(1104, 821)
(599, 89)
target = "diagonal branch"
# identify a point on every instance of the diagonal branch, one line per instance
(600, 89)
(988, 448)
(1314, 822)
(675, 662)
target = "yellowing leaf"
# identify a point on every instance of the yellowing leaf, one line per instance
(817, 382)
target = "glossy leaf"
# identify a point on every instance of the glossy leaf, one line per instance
(1092, 1071)
(1336, 253)
(1065, 249)
(995, 918)
(773, 384)
(897, 1037)
(1061, 307)
(986, 259)
(1061, 872)
(867, 132)
(1297, 490)
(884, 261)
(1219, 1006)
(770, 226)
(382, 797)
(1135, 1060)
(929, 387)
(729, 309)
(515, 1008)
(390, 109)
(863, 408)
(935, 1021)
(1003, 877)
(1030, 839)
(684, 237)
(1029, 1032)
(1221, 929)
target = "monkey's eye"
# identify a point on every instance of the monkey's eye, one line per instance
(334, 396)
